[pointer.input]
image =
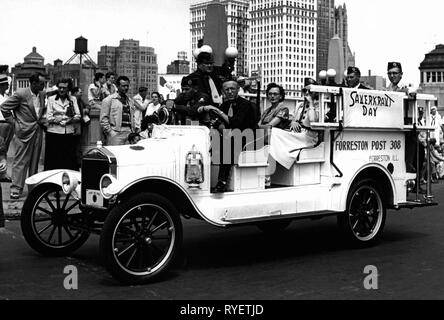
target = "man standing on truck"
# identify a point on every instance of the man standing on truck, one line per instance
(203, 87)
(354, 78)
(394, 73)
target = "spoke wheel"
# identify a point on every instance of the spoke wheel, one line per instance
(364, 219)
(140, 238)
(49, 219)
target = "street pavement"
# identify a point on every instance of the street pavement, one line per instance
(307, 261)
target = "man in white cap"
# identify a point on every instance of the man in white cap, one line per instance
(436, 122)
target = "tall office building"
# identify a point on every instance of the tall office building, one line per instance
(237, 29)
(332, 21)
(326, 30)
(130, 59)
(341, 25)
(283, 37)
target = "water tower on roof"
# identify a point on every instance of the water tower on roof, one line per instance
(81, 45)
(81, 52)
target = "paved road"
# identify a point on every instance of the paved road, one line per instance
(307, 261)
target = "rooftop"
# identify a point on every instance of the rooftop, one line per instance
(434, 59)
(34, 55)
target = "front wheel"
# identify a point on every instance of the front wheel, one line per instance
(141, 238)
(52, 222)
(364, 219)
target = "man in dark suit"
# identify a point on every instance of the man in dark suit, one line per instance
(354, 79)
(202, 87)
(28, 106)
(235, 113)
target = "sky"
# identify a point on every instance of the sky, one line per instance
(379, 30)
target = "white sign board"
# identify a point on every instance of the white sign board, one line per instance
(169, 85)
(373, 109)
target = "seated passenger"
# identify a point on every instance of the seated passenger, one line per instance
(285, 146)
(277, 116)
(234, 113)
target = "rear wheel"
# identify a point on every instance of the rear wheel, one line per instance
(141, 238)
(364, 219)
(50, 221)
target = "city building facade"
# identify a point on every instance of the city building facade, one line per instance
(325, 30)
(179, 66)
(129, 59)
(81, 77)
(283, 38)
(237, 29)
(374, 82)
(341, 29)
(332, 21)
(21, 72)
(432, 75)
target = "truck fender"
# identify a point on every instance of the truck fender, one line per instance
(52, 176)
(364, 172)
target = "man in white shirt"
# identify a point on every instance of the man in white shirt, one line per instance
(109, 87)
(141, 103)
(436, 122)
(95, 91)
(394, 73)
(6, 130)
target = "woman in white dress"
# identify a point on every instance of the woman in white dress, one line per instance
(285, 146)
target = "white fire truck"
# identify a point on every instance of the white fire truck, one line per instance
(134, 196)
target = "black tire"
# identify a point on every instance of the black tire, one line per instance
(273, 227)
(130, 250)
(364, 219)
(47, 210)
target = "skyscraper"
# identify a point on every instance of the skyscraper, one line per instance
(237, 29)
(341, 25)
(130, 59)
(326, 30)
(283, 41)
(332, 21)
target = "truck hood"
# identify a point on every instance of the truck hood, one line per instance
(149, 151)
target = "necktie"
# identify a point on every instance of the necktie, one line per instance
(433, 121)
(214, 93)
(230, 111)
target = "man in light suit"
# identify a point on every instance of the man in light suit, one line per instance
(28, 106)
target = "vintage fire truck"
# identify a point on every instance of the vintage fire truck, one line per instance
(135, 196)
